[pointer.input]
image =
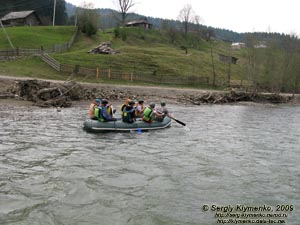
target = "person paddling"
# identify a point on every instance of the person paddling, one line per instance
(166, 112)
(150, 113)
(163, 109)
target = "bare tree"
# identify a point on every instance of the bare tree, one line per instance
(209, 37)
(124, 7)
(255, 61)
(212, 62)
(186, 16)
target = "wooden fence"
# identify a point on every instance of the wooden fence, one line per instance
(51, 62)
(19, 52)
(109, 74)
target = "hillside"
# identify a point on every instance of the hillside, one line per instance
(141, 52)
(35, 37)
(159, 57)
(150, 52)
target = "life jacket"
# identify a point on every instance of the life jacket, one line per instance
(110, 110)
(148, 115)
(98, 114)
(127, 114)
(122, 107)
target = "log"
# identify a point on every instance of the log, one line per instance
(103, 48)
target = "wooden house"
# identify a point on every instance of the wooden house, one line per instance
(238, 45)
(228, 59)
(22, 18)
(143, 23)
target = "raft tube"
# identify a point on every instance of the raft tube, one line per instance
(96, 126)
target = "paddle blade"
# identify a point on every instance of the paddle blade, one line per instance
(178, 121)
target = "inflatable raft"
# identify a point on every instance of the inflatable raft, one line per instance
(96, 126)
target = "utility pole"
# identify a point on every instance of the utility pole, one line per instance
(54, 8)
(76, 21)
(6, 34)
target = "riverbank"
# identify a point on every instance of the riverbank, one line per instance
(82, 92)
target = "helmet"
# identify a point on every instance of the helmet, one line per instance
(141, 101)
(152, 105)
(104, 101)
(97, 100)
(131, 103)
(162, 103)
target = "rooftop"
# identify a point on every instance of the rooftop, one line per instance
(17, 15)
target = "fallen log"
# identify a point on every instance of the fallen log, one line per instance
(232, 97)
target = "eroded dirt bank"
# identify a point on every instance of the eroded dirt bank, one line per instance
(47, 93)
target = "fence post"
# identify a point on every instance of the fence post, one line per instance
(131, 76)
(76, 69)
(108, 73)
(17, 51)
(97, 73)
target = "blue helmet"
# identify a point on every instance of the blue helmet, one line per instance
(98, 101)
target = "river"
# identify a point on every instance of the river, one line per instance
(229, 156)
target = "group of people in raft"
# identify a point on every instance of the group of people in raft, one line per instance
(102, 111)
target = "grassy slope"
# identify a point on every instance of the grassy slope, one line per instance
(141, 52)
(30, 67)
(148, 52)
(35, 37)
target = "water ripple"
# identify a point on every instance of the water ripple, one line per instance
(53, 172)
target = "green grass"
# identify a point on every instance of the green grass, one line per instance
(147, 52)
(142, 51)
(31, 67)
(35, 37)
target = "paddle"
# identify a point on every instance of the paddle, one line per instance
(178, 121)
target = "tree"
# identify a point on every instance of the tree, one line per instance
(186, 16)
(88, 19)
(61, 16)
(290, 79)
(124, 7)
(169, 30)
(210, 35)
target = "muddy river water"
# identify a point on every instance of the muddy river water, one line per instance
(232, 159)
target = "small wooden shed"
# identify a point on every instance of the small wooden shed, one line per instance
(21, 18)
(143, 23)
(228, 59)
